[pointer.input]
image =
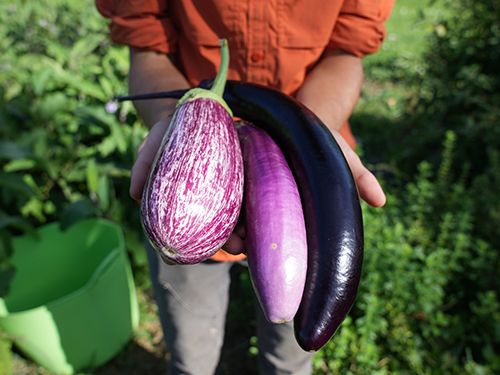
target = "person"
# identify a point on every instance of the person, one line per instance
(309, 49)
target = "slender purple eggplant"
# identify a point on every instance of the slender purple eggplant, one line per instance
(193, 195)
(276, 240)
(330, 201)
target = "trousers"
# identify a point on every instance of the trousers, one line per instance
(192, 306)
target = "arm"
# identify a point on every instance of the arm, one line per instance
(333, 87)
(331, 92)
(154, 72)
(151, 72)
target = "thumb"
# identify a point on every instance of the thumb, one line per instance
(146, 154)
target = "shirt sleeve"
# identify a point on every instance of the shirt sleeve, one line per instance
(142, 25)
(360, 28)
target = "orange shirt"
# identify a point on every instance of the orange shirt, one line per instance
(271, 42)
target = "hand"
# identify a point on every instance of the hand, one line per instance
(369, 188)
(331, 92)
(145, 156)
(236, 243)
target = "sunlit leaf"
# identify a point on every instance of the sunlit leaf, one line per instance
(53, 103)
(88, 88)
(84, 47)
(34, 208)
(19, 165)
(39, 80)
(103, 192)
(6, 358)
(92, 175)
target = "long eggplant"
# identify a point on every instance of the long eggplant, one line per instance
(276, 239)
(330, 201)
(193, 194)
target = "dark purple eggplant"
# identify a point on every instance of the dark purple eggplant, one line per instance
(330, 201)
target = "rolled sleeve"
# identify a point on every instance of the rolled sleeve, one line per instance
(360, 28)
(142, 25)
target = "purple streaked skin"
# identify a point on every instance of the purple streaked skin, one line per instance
(193, 196)
(276, 240)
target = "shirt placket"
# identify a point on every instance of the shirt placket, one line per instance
(257, 21)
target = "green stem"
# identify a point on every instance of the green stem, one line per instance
(217, 90)
(221, 78)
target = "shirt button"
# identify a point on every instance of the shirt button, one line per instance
(257, 56)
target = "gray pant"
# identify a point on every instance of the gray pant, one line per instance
(192, 303)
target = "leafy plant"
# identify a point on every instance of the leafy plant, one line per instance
(428, 302)
(63, 155)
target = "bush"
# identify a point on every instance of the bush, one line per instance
(459, 89)
(62, 155)
(428, 301)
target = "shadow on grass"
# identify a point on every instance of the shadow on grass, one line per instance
(135, 359)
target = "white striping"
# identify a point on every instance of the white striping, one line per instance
(193, 196)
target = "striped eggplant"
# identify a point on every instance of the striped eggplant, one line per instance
(276, 240)
(193, 195)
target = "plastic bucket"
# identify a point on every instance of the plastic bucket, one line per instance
(72, 304)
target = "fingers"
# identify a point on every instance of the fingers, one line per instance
(145, 157)
(368, 187)
(236, 243)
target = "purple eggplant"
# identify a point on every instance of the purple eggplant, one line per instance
(193, 195)
(276, 240)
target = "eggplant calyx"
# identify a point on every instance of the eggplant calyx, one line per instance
(198, 93)
(217, 89)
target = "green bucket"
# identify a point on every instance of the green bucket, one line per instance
(72, 304)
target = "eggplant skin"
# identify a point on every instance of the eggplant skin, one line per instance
(194, 192)
(330, 201)
(276, 240)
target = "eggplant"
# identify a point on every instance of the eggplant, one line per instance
(330, 201)
(276, 240)
(194, 191)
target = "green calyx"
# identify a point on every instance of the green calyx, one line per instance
(217, 90)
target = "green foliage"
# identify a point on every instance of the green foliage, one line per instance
(428, 302)
(459, 89)
(62, 155)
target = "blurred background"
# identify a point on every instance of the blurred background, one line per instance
(427, 124)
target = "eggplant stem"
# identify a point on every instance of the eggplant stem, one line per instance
(221, 78)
